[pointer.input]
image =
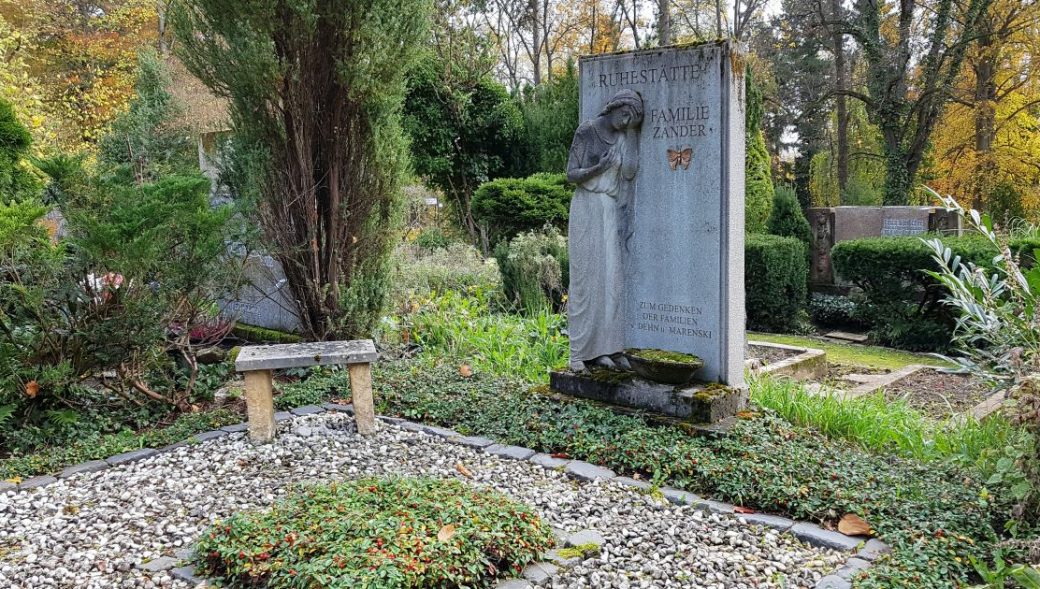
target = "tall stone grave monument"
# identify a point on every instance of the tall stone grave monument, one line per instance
(657, 228)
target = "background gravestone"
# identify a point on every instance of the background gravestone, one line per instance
(264, 299)
(683, 265)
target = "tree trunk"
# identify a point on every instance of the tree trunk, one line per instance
(841, 108)
(664, 22)
(536, 41)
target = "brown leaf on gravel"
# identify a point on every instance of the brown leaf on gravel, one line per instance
(561, 455)
(446, 533)
(463, 470)
(853, 525)
(739, 509)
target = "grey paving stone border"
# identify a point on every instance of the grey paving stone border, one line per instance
(867, 550)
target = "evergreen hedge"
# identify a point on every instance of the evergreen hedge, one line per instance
(775, 276)
(905, 304)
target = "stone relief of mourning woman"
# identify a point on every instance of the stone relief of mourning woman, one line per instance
(603, 160)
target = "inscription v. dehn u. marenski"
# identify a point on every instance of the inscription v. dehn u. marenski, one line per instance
(673, 206)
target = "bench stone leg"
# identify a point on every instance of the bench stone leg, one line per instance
(361, 394)
(260, 405)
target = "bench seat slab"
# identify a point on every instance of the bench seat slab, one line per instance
(301, 355)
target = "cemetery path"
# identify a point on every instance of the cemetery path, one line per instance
(128, 526)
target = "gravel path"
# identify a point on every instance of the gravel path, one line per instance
(93, 530)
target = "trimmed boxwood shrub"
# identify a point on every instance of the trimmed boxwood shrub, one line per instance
(775, 276)
(507, 207)
(904, 304)
(396, 532)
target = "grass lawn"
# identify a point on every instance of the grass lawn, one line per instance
(875, 357)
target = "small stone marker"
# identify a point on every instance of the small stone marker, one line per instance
(257, 362)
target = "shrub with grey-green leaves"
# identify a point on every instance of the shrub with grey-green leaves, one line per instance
(534, 268)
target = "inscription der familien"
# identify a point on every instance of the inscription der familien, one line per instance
(680, 320)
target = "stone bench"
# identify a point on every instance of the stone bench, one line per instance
(257, 362)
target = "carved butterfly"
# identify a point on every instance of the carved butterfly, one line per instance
(680, 157)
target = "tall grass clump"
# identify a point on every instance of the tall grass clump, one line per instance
(419, 271)
(883, 426)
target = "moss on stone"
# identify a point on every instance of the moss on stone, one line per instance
(711, 391)
(252, 333)
(579, 551)
(608, 376)
(662, 356)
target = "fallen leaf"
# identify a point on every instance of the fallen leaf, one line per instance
(446, 533)
(853, 525)
(465, 371)
(463, 470)
(562, 455)
(739, 509)
(32, 388)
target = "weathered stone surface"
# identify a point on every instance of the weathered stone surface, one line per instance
(693, 403)
(557, 559)
(34, 482)
(5, 486)
(472, 441)
(211, 355)
(833, 582)
(873, 549)
(513, 584)
(584, 538)
(210, 435)
(682, 220)
(410, 426)
(187, 574)
(770, 521)
(852, 566)
(236, 428)
(817, 536)
(588, 472)
(680, 497)
(339, 407)
(514, 452)
(305, 354)
(282, 416)
(713, 506)
(135, 455)
(307, 410)
(548, 461)
(158, 564)
(441, 432)
(391, 420)
(92, 466)
(631, 482)
(539, 573)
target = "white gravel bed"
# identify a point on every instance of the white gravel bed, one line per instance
(92, 530)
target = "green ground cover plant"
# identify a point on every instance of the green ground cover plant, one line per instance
(935, 514)
(377, 533)
(469, 328)
(96, 446)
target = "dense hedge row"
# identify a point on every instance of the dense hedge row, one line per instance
(904, 303)
(775, 277)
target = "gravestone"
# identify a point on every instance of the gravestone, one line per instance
(832, 225)
(672, 121)
(264, 299)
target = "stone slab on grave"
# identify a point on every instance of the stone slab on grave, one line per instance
(657, 224)
(264, 299)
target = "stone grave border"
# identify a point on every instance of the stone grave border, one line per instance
(807, 364)
(867, 550)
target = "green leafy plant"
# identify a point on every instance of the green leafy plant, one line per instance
(998, 333)
(776, 272)
(397, 532)
(1002, 572)
(786, 219)
(535, 270)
